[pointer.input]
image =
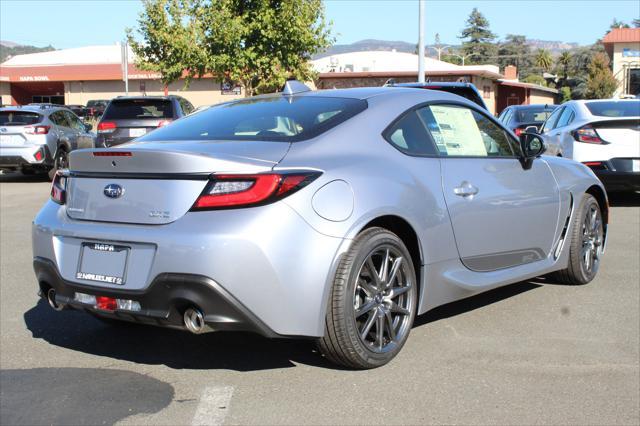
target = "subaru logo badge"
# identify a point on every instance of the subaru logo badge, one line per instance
(113, 191)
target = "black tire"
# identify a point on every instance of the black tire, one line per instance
(342, 342)
(60, 161)
(578, 271)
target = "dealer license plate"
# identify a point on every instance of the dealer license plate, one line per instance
(106, 263)
(134, 133)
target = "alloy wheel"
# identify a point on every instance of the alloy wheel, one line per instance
(592, 238)
(382, 300)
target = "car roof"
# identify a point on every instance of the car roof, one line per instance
(434, 83)
(40, 109)
(533, 106)
(134, 98)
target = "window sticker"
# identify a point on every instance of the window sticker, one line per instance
(457, 132)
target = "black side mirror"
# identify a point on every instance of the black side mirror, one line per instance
(532, 146)
(88, 126)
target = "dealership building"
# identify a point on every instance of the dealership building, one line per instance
(75, 76)
(623, 47)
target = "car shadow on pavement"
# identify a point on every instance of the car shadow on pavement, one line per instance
(76, 396)
(18, 177)
(237, 351)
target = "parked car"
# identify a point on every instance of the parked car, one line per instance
(328, 215)
(466, 90)
(129, 117)
(79, 110)
(518, 117)
(39, 138)
(602, 134)
(96, 107)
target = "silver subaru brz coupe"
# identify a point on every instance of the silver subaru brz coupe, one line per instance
(337, 215)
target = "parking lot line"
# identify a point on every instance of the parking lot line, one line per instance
(213, 406)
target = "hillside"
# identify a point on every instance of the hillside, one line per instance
(403, 46)
(9, 49)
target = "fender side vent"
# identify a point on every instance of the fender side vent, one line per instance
(563, 235)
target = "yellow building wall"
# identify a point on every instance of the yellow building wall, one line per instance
(199, 93)
(620, 62)
(487, 89)
(540, 97)
(5, 93)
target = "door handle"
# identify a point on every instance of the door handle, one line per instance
(465, 190)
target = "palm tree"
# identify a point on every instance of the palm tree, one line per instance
(543, 59)
(564, 61)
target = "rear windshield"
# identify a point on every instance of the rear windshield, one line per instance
(96, 103)
(465, 92)
(615, 109)
(130, 109)
(19, 118)
(532, 115)
(278, 118)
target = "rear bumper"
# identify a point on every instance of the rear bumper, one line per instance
(163, 302)
(615, 181)
(266, 258)
(25, 156)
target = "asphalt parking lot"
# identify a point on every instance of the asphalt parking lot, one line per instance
(531, 353)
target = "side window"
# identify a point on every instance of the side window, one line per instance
(74, 121)
(566, 118)
(551, 121)
(185, 105)
(61, 119)
(409, 135)
(460, 131)
(506, 116)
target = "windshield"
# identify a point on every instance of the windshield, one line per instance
(127, 109)
(277, 118)
(531, 115)
(19, 118)
(615, 109)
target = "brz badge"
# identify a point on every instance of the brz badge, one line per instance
(113, 191)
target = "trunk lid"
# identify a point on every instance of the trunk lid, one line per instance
(622, 134)
(156, 182)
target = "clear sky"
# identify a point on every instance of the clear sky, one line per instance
(68, 23)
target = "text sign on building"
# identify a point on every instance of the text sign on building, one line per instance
(627, 53)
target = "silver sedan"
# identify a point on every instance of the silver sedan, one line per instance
(338, 215)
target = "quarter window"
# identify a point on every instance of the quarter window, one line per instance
(409, 135)
(460, 131)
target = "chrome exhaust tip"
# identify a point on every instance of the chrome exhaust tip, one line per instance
(194, 320)
(51, 298)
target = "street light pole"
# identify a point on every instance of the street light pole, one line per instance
(421, 42)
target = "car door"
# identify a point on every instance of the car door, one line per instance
(502, 215)
(548, 134)
(63, 128)
(562, 132)
(83, 139)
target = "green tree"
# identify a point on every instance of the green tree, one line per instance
(565, 94)
(535, 79)
(600, 83)
(515, 51)
(563, 63)
(478, 39)
(257, 43)
(543, 59)
(617, 24)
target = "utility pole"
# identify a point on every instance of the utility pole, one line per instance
(124, 55)
(421, 42)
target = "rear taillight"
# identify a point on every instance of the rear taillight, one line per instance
(107, 127)
(112, 154)
(588, 134)
(164, 123)
(596, 165)
(518, 131)
(37, 130)
(59, 188)
(230, 191)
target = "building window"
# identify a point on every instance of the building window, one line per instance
(634, 81)
(486, 92)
